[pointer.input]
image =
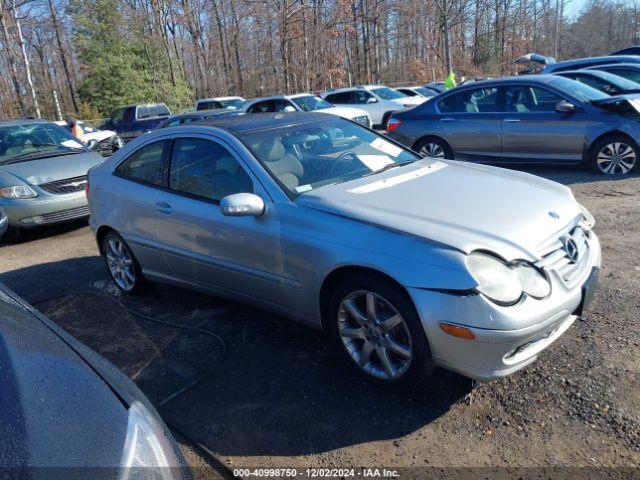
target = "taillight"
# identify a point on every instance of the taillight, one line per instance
(392, 124)
(86, 188)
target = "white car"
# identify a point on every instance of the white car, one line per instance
(103, 141)
(377, 100)
(418, 92)
(219, 102)
(305, 102)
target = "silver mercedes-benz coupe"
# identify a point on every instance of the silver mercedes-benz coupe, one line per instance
(408, 263)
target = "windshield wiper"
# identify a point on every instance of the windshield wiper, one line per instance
(389, 166)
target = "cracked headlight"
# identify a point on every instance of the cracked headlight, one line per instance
(495, 279)
(588, 221)
(533, 282)
(148, 452)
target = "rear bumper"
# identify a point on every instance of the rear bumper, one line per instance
(497, 349)
(46, 210)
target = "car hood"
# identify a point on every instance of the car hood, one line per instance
(467, 207)
(629, 103)
(44, 170)
(56, 411)
(344, 112)
(99, 135)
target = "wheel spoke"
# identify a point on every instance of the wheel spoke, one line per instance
(372, 308)
(357, 333)
(354, 312)
(390, 323)
(365, 354)
(385, 360)
(397, 347)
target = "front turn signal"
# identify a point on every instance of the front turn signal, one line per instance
(457, 331)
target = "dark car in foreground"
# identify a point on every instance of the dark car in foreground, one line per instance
(66, 410)
(606, 82)
(43, 173)
(525, 119)
(134, 120)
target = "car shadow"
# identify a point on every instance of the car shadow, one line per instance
(240, 381)
(26, 235)
(569, 175)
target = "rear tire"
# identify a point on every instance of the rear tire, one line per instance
(122, 265)
(376, 327)
(434, 147)
(614, 155)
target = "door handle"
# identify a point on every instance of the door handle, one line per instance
(447, 120)
(512, 120)
(164, 207)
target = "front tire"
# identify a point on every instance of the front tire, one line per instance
(122, 265)
(434, 147)
(377, 329)
(615, 154)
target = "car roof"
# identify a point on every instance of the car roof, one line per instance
(542, 79)
(616, 64)
(262, 121)
(589, 60)
(22, 121)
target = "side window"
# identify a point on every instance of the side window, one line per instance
(189, 119)
(117, 116)
(361, 97)
(173, 123)
(597, 84)
(161, 109)
(262, 107)
(281, 106)
(633, 75)
(471, 101)
(342, 97)
(145, 164)
(523, 99)
(208, 105)
(206, 169)
(406, 91)
(142, 112)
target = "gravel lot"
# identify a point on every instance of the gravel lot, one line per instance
(274, 393)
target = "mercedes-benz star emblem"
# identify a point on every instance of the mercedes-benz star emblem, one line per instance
(571, 249)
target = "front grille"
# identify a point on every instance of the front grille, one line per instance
(363, 120)
(555, 255)
(68, 185)
(65, 215)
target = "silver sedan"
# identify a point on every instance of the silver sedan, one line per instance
(407, 263)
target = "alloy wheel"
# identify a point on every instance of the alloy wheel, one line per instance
(375, 335)
(120, 264)
(617, 157)
(432, 150)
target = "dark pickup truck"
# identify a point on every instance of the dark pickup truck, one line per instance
(134, 120)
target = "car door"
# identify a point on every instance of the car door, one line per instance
(533, 131)
(132, 197)
(471, 122)
(205, 247)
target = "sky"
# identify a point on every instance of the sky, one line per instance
(572, 7)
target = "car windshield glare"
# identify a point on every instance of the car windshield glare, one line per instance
(387, 93)
(578, 90)
(32, 139)
(311, 155)
(310, 103)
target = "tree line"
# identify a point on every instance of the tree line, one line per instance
(88, 57)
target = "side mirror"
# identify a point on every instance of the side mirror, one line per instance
(565, 107)
(242, 205)
(92, 144)
(372, 100)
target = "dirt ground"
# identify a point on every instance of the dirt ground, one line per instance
(269, 392)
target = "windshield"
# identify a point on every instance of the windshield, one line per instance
(35, 139)
(425, 91)
(308, 156)
(578, 90)
(233, 103)
(386, 93)
(620, 82)
(309, 103)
